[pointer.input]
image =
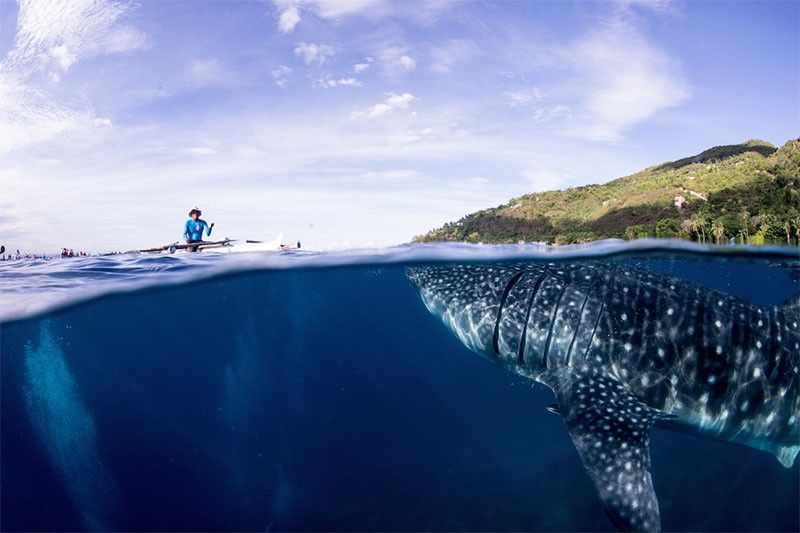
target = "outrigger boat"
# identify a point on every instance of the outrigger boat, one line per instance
(224, 246)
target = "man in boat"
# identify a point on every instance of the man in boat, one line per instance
(193, 229)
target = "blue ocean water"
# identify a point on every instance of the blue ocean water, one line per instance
(316, 392)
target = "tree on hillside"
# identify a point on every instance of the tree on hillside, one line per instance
(698, 227)
(769, 227)
(797, 229)
(668, 227)
(787, 227)
(718, 230)
(745, 217)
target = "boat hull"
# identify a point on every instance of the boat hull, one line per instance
(240, 246)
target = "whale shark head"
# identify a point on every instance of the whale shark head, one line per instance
(490, 307)
(466, 298)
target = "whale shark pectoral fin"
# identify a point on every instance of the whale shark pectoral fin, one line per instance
(610, 429)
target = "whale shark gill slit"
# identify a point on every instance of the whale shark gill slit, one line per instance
(534, 290)
(546, 351)
(496, 336)
(594, 329)
(577, 326)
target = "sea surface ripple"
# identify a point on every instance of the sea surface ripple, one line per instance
(39, 286)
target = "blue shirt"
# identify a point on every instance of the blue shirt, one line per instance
(193, 229)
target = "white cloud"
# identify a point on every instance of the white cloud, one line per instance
(400, 101)
(412, 136)
(332, 9)
(660, 6)
(126, 39)
(393, 101)
(51, 38)
(342, 82)
(29, 115)
(395, 60)
(407, 62)
(378, 110)
(358, 68)
(599, 86)
(290, 10)
(524, 97)
(289, 18)
(422, 12)
(281, 74)
(60, 31)
(445, 56)
(623, 79)
(313, 52)
(102, 122)
(548, 113)
(63, 57)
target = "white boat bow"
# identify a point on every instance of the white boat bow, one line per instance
(239, 246)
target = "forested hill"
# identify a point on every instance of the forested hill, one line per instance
(747, 191)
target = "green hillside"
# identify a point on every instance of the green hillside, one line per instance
(749, 192)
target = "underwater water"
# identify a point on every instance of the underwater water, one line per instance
(313, 391)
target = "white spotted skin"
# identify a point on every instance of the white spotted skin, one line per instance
(723, 366)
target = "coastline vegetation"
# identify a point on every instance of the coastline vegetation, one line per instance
(746, 193)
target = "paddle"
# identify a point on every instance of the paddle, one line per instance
(199, 245)
(172, 248)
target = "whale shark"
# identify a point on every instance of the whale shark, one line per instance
(623, 349)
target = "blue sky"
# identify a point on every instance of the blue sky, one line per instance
(361, 122)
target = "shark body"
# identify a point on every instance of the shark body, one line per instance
(624, 348)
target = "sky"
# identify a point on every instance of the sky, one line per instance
(350, 123)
